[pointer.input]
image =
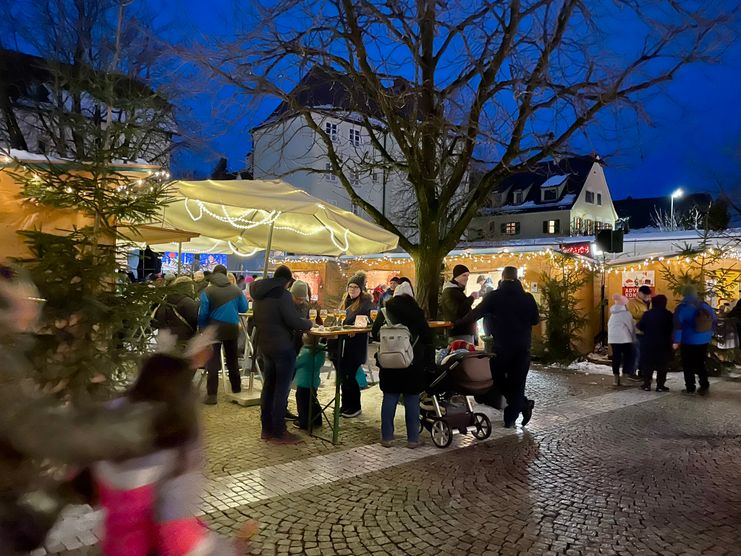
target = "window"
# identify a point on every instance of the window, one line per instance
(589, 225)
(589, 197)
(355, 179)
(374, 177)
(597, 225)
(550, 194)
(355, 209)
(355, 137)
(551, 226)
(329, 176)
(331, 130)
(518, 197)
(577, 225)
(607, 226)
(599, 199)
(510, 228)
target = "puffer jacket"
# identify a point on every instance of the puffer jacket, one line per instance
(620, 326)
(454, 305)
(403, 309)
(178, 314)
(656, 324)
(684, 322)
(276, 317)
(221, 303)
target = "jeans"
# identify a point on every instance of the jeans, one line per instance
(277, 376)
(411, 415)
(693, 363)
(510, 375)
(622, 355)
(305, 398)
(231, 354)
(637, 349)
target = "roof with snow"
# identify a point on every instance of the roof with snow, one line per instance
(333, 92)
(569, 174)
(641, 212)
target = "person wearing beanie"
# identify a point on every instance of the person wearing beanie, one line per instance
(301, 299)
(621, 337)
(178, 313)
(694, 325)
(410, 382)
(221, 303)
(656, 326)
(455, 304)
(512, 313)
(276, 321)
(355, 353)
(388, 294)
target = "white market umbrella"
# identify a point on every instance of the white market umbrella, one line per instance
(252, 215)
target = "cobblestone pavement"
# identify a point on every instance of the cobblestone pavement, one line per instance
(599, 470)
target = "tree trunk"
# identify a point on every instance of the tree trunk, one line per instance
(428, 264)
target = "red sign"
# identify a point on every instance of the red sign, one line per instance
(583, 248)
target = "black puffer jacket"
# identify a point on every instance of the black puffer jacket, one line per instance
(276, 317)
(178, 314)
(403, 309)
(454, 305)
(513, 313)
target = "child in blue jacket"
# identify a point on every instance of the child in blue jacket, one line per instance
(309, 364)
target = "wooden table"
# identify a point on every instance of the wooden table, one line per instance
(439, 324)
(340, 335)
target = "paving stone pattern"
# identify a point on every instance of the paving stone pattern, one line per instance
(600, 470)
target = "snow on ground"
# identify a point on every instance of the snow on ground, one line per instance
(590, 368)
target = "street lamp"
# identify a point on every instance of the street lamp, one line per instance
(676, 194)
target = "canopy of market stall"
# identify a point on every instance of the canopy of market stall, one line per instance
(252, 215)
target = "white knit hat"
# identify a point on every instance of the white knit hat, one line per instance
(405, 288)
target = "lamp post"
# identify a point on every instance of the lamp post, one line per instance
(676, 194)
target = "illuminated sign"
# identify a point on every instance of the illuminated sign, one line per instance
(582, 248)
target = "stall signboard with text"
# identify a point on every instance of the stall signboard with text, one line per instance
(634, 279)
(582, 248)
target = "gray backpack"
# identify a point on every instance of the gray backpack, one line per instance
(397, 348)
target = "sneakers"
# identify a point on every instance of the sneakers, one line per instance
(210, 399)
(414, 445)
(527, 413)
(349, 414)
(387, 443)
(616, 380)
(662, 389)
(646, 388)
(633, 377)
(286, 439)
(703, 390)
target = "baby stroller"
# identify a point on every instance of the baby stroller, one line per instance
(446, 405)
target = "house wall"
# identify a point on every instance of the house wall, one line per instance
(531, 224)
(605, 213)
(290, 150)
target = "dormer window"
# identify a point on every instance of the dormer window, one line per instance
(550, 194)
(518, 196)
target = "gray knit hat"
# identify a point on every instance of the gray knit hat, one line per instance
(300, 289)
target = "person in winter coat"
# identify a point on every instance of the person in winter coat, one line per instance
(637, 306)
(179, 312)
(513, 313)
(309, 364)
(410, 382)
(276, 320)
(656, 326)
(455, 304)
(694, 326)
(355, 348)
(199, 279)
(621, 336)
(221, 303)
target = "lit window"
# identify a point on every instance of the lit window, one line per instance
(607, 226)
(577, 225)
(589, 226)
(589, 197)
(599, 199)
(510, 228)
(355, 137)
(551, 226)
(331, 130)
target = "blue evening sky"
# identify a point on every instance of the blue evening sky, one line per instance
(693, 139)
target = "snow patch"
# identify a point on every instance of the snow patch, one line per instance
(554, 181)
(590, 368)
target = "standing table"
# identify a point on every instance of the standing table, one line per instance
(340, 336)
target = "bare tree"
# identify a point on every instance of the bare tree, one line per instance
(440, 84)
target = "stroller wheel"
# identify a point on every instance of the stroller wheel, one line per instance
(442, 436)
(483, 426)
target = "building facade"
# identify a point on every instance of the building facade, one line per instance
(565, 198)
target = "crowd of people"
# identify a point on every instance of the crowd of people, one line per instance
(643, 334)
